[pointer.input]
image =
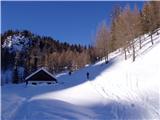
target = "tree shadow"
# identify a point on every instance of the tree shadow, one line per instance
(65, 81)
(147, 46)
(120, 111)
(80, 76)
(45, 109)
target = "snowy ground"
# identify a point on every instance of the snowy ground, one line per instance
(118, 90)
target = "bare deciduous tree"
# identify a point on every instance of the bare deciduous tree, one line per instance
(102, 41)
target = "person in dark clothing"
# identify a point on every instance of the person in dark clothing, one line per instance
(87, 75)
(70, 72)
(26, 82)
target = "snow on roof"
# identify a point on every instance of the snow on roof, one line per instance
(42, 68)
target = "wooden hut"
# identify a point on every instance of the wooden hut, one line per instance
(40, 76)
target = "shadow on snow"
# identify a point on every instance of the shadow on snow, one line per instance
(64, 81)
(80, 76)
(56, 109)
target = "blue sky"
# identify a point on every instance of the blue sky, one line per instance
(73, 22)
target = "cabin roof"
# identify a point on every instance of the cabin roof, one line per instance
(39, 70)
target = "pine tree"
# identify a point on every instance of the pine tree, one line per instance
(16, 78)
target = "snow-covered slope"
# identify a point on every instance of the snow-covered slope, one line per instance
(117, 90)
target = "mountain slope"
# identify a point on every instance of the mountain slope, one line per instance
(117, 90)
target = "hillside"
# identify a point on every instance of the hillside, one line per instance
(24, 52)
(117, 90)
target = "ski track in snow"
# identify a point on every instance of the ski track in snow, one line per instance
(119, 90)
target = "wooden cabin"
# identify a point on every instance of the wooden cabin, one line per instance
(40, 76)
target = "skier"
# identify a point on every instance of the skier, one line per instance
(87, 75)
(26, 82)
(70, 72)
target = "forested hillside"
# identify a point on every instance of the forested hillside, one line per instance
(127, 27)
(24, 52)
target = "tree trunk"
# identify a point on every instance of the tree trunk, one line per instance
(151, 39)
(133, 48)
(144, 38)
(128, 50)
(125, 54)
(157, 32)
(140, 43)
(107, 57)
